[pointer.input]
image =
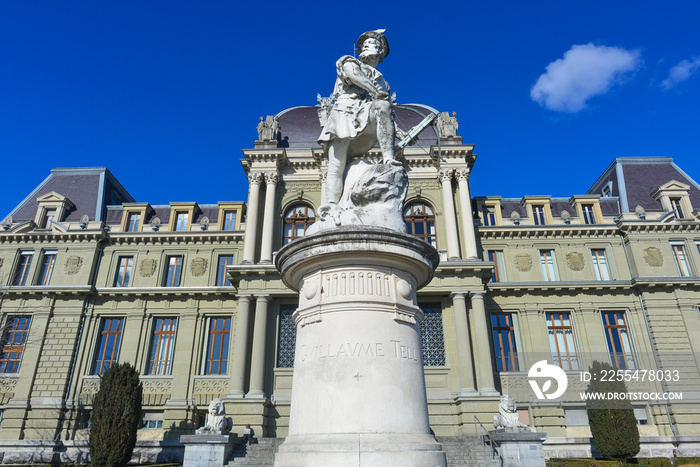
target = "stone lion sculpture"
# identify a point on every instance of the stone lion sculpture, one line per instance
(508, 418)
(217, 421)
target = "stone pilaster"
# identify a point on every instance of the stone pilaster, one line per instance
(271, 180)
(465, 201)
(445, 177)
(464, 347)
(257, 358)
(482, 349)
(239, 363)
(251, 229)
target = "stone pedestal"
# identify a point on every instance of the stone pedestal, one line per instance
(207, 450)
(358, 393)
(519, 448)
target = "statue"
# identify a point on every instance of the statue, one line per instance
(356, 117)
(508, 418)
(268, 128)
(447, 126)
(217, 423)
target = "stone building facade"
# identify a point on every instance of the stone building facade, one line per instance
(189, 294)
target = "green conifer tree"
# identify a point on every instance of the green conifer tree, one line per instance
(116, 412)
(613, 424)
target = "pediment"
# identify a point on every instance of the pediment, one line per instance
(53, 197)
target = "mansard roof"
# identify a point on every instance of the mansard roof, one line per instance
(89, 189)
(634, 179)
(300, 126)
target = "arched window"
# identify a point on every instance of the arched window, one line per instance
(297, 219)
(420, 221)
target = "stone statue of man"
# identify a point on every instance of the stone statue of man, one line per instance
(361, 115)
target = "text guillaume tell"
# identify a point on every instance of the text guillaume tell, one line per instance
(394, 349)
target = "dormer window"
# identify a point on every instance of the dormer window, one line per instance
(674, 197)
(181, 221)
(230, 216)
(49, 217)
(538, 209)
(538, 214)
(489, 210)
(53, 208)
(135, 215)
(587, 209)
(182, 215)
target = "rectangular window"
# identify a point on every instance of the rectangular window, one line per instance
(431, 335)
(681, 259)
(504, 344)
(489, 216)
(619, 340)
(561, 341)
(160, 361)
(588, 215)
(549, 265)
(216, 357)
(49, 217)
(123, 271)
(108, 342)
(600, 265)
(134, 222)
(499, 271)
(151, 421)
(22, 271)
(287, 337)
(221, 276)
(47, 264)
(538, 214)
(13, 341)
(174, 271)
(181, 219)
(230, 220)
(676, 208)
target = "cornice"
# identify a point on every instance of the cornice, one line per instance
(166, 291)
(547, 231)
(43, 290)
(174, 238)
(559, 286)
(671, 227)
(52, 236)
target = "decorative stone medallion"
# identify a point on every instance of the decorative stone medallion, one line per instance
(198, 267)
(575, 261)
(653, 257)
(73, 265)
(523, 262)
(148, 267)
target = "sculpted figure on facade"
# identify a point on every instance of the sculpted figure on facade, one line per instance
(447, 126)
(217, 422)
(508, 418)
(268, 128)
(361, 117)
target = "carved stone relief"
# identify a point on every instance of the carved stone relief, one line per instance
(523, 262)
(198, 266)
(157, 386)
(148, 267)
(73, 265)
(575, 261)
(8, 385)
(211, 386)
(653, 257)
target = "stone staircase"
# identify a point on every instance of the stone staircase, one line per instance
(467, 451)
(461, 451)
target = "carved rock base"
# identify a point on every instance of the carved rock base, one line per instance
(358, 394)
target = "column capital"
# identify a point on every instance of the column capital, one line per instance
(255, 178)
(458, 295)
(271, 178)
(479, 294)
(462, 174)
(445, 175)
(244, 297)
(263, 297)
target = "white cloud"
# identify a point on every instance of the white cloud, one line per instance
(681, 72)
(584, 71)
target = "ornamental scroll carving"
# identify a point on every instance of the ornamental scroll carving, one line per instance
(211, 386)
(653, 257)
(198, 266)
(148, 267)
(73, 265)
(7, 385)
(575, 261)
(523, 262)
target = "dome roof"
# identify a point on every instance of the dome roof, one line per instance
(300, 127)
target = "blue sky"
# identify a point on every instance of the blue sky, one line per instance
(167, 93)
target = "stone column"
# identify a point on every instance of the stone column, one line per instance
(484, 369)
(464, 346)
(445, 177)
(240, 348)
(465, 201)
(271, 180)
(358, 391)
(251, 228)
(257, 358)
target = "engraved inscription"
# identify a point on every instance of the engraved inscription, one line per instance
(392, 349)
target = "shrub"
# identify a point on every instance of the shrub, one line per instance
(613, 424)
(687, 460)
(116, 412)
(654, 462)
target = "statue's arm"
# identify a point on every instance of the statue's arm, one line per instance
(353, 73)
